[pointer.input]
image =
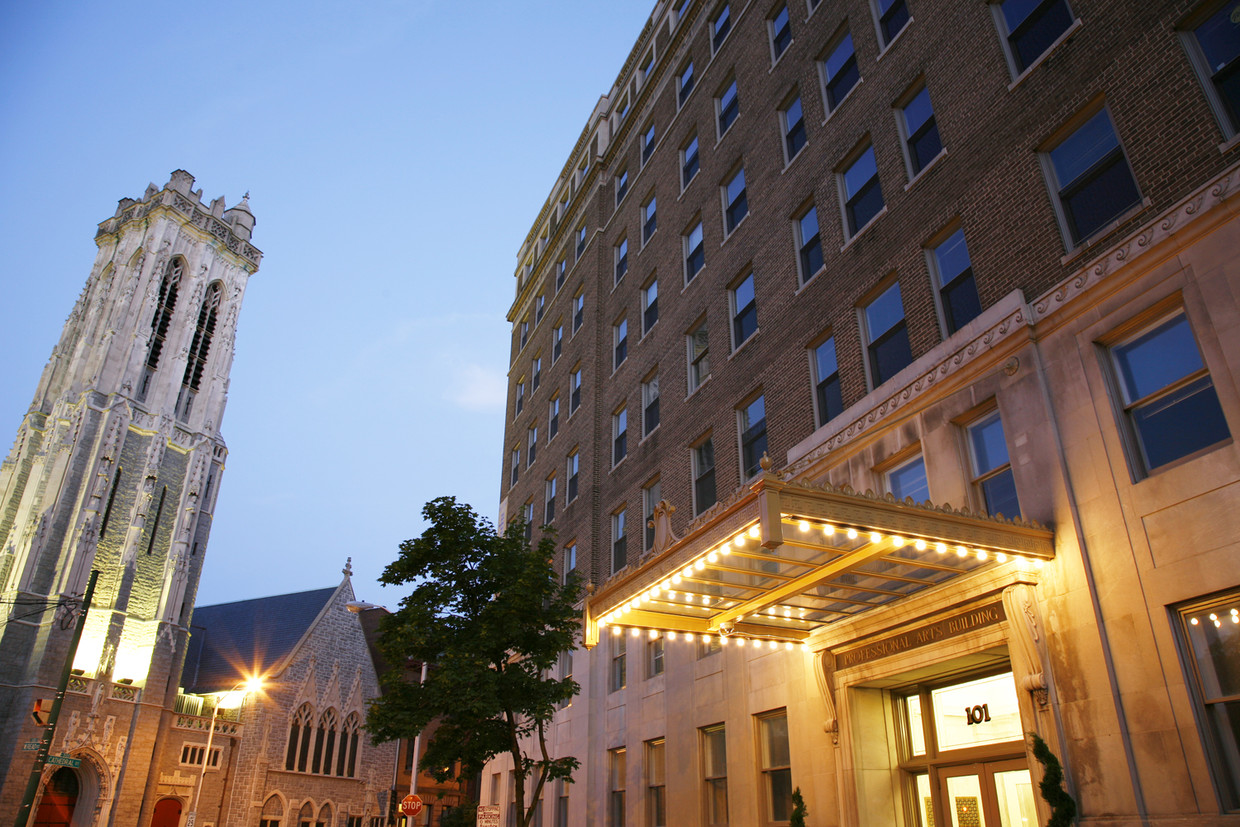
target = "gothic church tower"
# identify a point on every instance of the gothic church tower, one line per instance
(116, 466)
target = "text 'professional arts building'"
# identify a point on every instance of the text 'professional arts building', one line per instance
(965, 275)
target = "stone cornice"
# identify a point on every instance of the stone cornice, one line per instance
(195, 215)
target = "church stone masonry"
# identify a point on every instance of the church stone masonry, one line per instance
(116, 467)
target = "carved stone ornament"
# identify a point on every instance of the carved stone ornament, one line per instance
(664, 537)
(825, 674)
(1026, 641)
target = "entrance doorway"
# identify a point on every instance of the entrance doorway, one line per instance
(167, 813)
(59, 798)
(962, 754)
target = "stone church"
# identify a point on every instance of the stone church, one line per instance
(116, 467)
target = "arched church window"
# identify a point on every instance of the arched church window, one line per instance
(305, 816)
(325, 815)
(325, 740)
(273, 811)
(199, 350)
(348, 746)
(161, 320)
(299, 739)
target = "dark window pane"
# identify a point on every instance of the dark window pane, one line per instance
(999, 492)
(961, 304)
(1099, 198)
(893, 16)
(890, 353)
(842, 73)
(924, 145)
(704, 488)
(1180, 423)
(1040, 27)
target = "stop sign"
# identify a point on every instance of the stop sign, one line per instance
(411, 805)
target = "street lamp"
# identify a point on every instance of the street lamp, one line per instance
(250, 685)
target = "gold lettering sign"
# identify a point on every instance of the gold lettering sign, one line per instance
(949, 627)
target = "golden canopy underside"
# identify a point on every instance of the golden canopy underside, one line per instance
(784, 559)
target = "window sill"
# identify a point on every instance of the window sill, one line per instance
(840, 105)
(864, 229)
(646, 333)
(775, 60)
(1230, 144)
(934, 162)
(695, 391)
(616, 465)
(727, 131)
(883, 52)
(809, 280)
(789, 162)
(1051, 49)
(642, 441)
(685, 188)
(727, 235)
(1097, 235)
(744, 344)
(646, 241)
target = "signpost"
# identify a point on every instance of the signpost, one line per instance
(63, 761)
(488, 815)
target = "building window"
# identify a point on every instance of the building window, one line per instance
(1214, 46)
(557, 343)
(619, 558)
(728, 107)
(622, 259)
(1091, 177)
(719, 27)
(688, 162)
(566, 657)
(622, 111)
(695, 254)
(654, 655)
(651, 495)
(703, 476)
(516, 466)
(909, 480)
(698, 342)
(620, 342)
(953, 274)
(561, 273)
(579, 310)
(839, 71)
(862, 195)
(561, 803)
(792, 120)
(192, 755)
(200, 348)
(574, 390)
(1030, 27)
(809, 244)
(647, 141)
(1170, 407)
(735, 204)
(751, 418)
(168, 288)
(574, 465)
(892, 16)
(1210, 631)
(650, 305)
(549, 500)
(920, 132)
(992, 470)
(776, 765)
(527, 518)
(709, 645)
(650, 404)
(886, 333)
(684, 83)
(581, 241)
(519, 401)
(656, 778)
(622, 186)
(531, 446)
(540, 307)
(619, 435)
(715, 774)
(523, 329)
(570, 566)
(781, 33)
(828, 396)
(615, 794)
(535, 373)
(553, 417)
(744, 308)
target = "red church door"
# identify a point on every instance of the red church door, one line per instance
(59, 797)
(167, 813)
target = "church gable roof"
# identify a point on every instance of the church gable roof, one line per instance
(231, 641)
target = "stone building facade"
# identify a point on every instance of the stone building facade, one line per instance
(876, 363)
(116, 467)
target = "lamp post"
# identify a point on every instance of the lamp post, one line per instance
(251, 685)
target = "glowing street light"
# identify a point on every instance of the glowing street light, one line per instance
(232, 699)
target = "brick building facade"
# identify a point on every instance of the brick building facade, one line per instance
(975, 261)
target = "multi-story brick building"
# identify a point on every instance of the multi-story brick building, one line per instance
(973, 260)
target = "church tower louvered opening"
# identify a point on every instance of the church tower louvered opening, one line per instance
(199, 350)
(167, 303)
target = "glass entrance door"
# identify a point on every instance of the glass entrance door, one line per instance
(993, 794)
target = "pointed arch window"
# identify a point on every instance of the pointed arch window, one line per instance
(325, 739)
(273, 812)
(164, 308)
(299, 739)
(348, 738)
(199, 350)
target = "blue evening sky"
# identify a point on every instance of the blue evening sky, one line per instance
(396, 153)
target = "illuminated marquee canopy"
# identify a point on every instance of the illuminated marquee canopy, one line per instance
(787, 558)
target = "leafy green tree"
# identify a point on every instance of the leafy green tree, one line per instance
(488, 612)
